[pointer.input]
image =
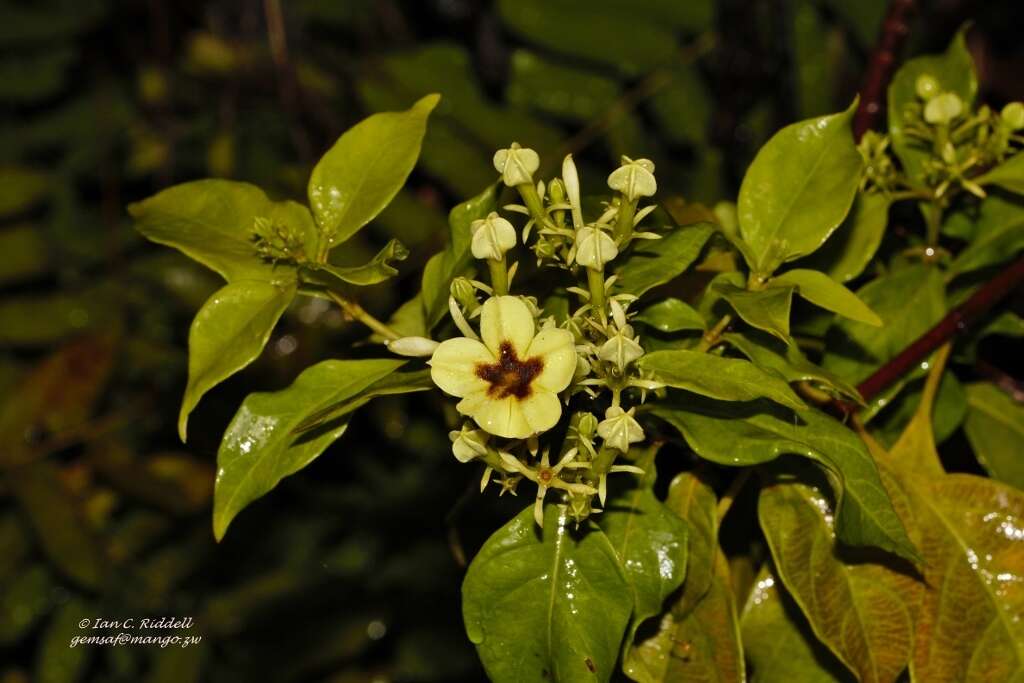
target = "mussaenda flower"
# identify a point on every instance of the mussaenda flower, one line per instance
(509, 382)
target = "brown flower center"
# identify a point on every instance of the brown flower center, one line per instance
(509, 376)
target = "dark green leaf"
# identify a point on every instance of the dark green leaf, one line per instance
(1008, 175)
(655, 262)
(736, 434)
(766, 310)
(549, 605)
(995, 427)
(823, 291)
(954, 71)
(671, 315)
(852, 246)
(56, 661)
(996, 234)
(23, 188)
(227, 334)
(214, 222)
(260, 447)
(357, 177)
(727, 379)
(798, 189)
(552, 87)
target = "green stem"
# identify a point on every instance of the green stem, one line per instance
(595, 281)
(932, 213)
(357, 312)
(499, 276)
(623, 230)
(712, 336)
(532, 200)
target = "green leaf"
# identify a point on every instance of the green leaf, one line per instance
(376, 271)
(23, 188)
(789, 361)
(671, 315)
(698, 636)
(778, 642)
(859, 608)
(650, 541)
(456, 257)
(767, 309)
(1008, 175)
(214, 222)
(260, 448)
(357, 177)
(741, 435)
(996, 234)
(24, 600)
(26, 251)
(798, 189)
(552, 87)
(852, 246)
(909, 302)
(995, 428)
(954, 71)
(227, 334)
(727, 379)
(59, 521)
(549, 605)
(655, 262)
(56, 662)
(823, 291)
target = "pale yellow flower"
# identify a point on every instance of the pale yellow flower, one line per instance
(509, 383)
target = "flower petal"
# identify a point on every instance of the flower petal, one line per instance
(501, 417)
(453, 366)
(506, 318)
(541, 411)
(557, 350)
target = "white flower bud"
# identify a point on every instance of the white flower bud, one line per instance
(943, 108)
(634, 179)
(621, 350)
(594, 248)
(468, 444)
(1013, 115)
(619, 428)
(492, 237)
(927, 86)
(571, 180)
(417, 347)
(516, 164)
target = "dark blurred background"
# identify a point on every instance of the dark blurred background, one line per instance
(349, 571)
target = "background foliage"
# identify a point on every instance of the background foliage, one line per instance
(351, 571)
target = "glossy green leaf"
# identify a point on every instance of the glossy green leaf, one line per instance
(789, 361)
(821, 290)
(996, 234)
(214, 222)
(778, 642)
(655, 262)
(357, 177)
(698, 638)
(376, 271)
(549, 605)
(954, 71)
(671, 315)
(456, 257)
(260, 447)
(727, 379)
(995, 428)
(798, 189)
(650, 541)
(857, 608)
(227, 334)
(852, 246)
(741, 435)
(1008, 175)
(909, 302)
(56, 515)
(947, 414)
(767, 309)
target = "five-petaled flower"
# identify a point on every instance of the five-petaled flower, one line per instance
(508, 384)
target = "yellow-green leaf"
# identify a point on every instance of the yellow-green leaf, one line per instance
(995, 428)
(821, 290)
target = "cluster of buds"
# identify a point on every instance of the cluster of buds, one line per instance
(277, 242)
(517, 365)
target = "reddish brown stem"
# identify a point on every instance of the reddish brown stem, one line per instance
(882, 64)
(955, 322)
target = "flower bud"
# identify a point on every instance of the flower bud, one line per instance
(465, 293)
(1012, 115)
(556, 191)
(516, 164)
(943, 108)
(619, 428)
(492, 237)
(926, 86)
(634, 179)
(417, 347)
(571, 180)
(621, 350)
(468, 443)
(594, 248)
(587, 425)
